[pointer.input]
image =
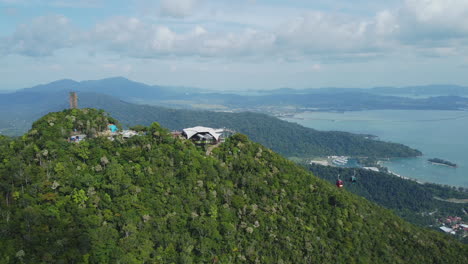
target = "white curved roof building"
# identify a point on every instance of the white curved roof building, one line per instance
(203, 132)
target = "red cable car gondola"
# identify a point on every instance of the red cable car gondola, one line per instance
(339, 183)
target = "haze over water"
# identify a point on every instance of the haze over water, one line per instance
(438, 134)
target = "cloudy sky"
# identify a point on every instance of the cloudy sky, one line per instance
(236, 44)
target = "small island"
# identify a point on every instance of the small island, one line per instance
(442, 162)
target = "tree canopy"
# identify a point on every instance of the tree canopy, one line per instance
(158, 199)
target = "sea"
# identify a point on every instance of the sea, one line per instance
(438, 134)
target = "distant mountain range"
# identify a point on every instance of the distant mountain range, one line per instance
(117, 86)
(115, 95)
(18, 110)
(434, 97)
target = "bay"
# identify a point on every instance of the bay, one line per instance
(438, 134)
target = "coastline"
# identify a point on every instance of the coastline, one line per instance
(405, 178)
(394, 126)
(381, 163)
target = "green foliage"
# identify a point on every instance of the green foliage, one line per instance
(60, 125)
(79, 197)
(288, 139)
(155, 199)
(413, 201)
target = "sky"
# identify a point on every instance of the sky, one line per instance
(235, 44)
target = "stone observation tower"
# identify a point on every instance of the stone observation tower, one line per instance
(73, 100)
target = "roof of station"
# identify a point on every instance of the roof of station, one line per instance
(190, 132)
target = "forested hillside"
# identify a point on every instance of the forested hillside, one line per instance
(413, 201)
(287, 138)
(156, 199)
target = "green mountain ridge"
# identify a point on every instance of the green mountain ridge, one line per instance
(421, 204)
(28, 102)
(287, 138)
(156, 199)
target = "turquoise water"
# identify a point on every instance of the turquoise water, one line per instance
(438, 134)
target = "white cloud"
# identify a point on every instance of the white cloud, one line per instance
(422, 26)
(318, 32)
(177, 8)
(317, 67)
(328, 36)
(240, 43)
(56, 3)
(386, 23)
(41, 37)
(135, 38)
(422, 20)
(439, 26)
(441, 11)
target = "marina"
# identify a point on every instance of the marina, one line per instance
(435, 133)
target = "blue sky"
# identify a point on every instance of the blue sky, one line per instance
(243, 44)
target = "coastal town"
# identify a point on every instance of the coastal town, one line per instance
(453, 225)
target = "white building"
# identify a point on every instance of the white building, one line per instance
(129, 133)
(205, 134)
(447, 230)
